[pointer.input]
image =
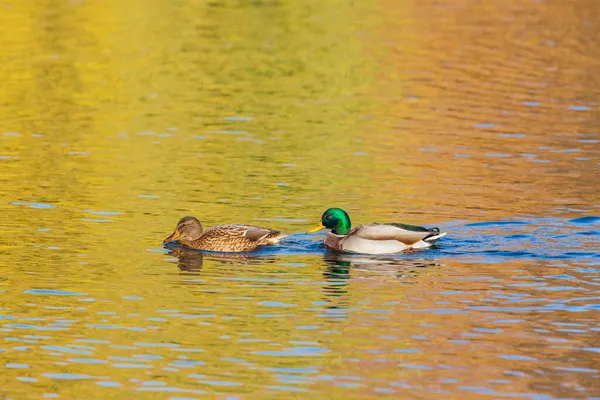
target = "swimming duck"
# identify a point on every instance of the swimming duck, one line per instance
(222, 238)
(373, 238)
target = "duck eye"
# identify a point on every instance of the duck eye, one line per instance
(328, 217)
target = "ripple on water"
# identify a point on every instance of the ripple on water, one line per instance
(60, 375)
(32, 204)
(66, 350)
(586, 220)
(87, 361)
(579, 108)
(53, 292)
(496, 223)
(131, 365)
(15, 365)
(96, 220)
(238, 118)
(27, 379)
(169, 389)
(108, 384)
(293, 352)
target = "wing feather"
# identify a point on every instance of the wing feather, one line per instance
(235, 231)
(257, 234)
(391, 232)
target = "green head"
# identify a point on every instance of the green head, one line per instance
(335, 219)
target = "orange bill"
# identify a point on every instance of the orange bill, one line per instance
(174, 236)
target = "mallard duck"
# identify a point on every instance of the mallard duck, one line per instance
(222, 238)
(373, 238)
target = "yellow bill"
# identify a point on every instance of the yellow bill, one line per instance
(316, 228)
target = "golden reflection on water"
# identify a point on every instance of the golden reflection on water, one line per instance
(118, 118)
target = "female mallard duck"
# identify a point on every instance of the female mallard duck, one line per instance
(373, 238)
(222, 238)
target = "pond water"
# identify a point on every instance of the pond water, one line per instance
(120, 117)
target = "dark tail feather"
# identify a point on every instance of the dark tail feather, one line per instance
(435, 234)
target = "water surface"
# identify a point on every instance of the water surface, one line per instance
(118, 119)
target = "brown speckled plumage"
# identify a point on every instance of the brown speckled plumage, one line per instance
(223, 238)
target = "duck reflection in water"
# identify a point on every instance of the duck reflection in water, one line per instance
(188, 260)
(342, 263)
(339, 267)
(193, 260)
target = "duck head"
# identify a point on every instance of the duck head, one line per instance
(335, 219)
(188, 229)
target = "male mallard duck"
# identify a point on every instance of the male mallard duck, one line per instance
(373, 238)
(222, 238)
